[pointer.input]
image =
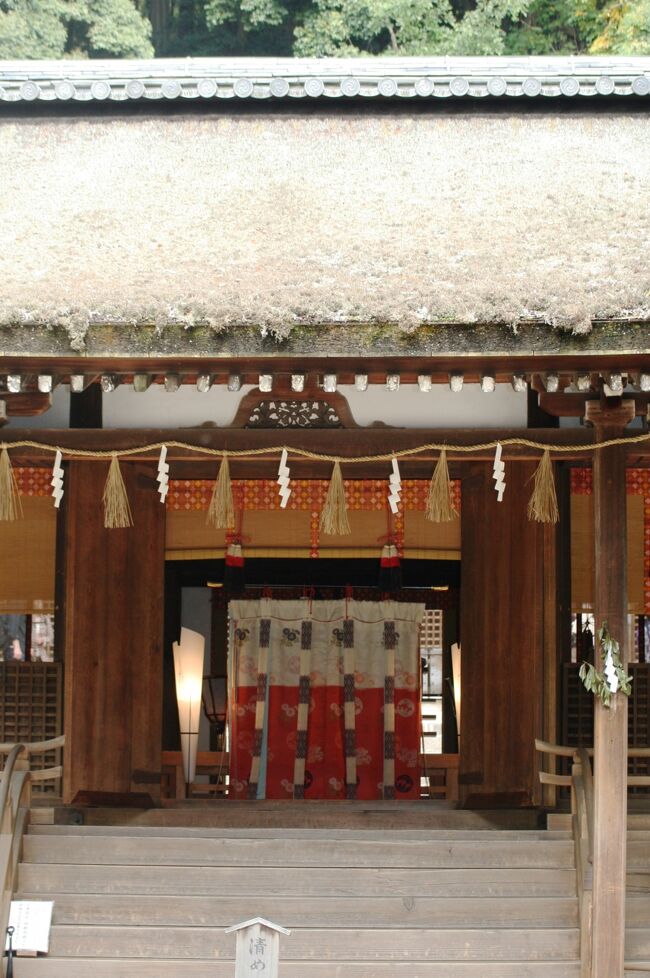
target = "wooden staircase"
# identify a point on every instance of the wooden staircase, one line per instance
(152, 901)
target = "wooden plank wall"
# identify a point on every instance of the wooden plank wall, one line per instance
(507, 628)
(113, 590)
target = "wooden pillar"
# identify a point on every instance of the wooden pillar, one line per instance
(610, 725)
(113, 593)
(503, 626)
(86, 408)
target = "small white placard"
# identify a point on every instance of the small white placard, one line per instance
(31, 920)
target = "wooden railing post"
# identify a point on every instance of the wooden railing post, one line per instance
(610, 724)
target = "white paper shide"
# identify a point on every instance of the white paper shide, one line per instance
(395, 487)
(498, 473)
(284, 480)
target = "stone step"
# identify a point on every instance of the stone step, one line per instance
(318, 911)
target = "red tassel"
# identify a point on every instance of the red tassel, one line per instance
(390, 568)
(233, 575)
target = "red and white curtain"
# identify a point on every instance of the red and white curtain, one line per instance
(324, 699)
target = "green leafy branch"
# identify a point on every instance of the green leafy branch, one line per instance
(612, 674)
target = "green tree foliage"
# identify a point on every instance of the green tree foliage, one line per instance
(626, 29)
(73, 28)
(548, 27)
(140, 28)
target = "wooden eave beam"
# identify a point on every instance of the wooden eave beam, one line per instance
(339, 441)
(276, 361)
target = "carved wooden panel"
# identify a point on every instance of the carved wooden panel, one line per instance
(284, 409)
(281, 413)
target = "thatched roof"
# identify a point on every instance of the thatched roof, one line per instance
(282, 220)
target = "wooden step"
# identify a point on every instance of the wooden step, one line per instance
(439, 854)
(340, 814)
(320, 944)
(637, 944)
(640, 822)
(51, 967)
(269, 881)
(378, 835)
(638, 855)
(562, 821)
(559, 821)
(373, 912)
(637, 910)
(638, 882)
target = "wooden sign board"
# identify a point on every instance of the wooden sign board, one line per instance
(258, 948)
(31, 921)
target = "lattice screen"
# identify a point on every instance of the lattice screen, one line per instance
(431, 630)
(30, 710)
(578, 713)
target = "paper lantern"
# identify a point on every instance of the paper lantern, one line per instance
(188, 668)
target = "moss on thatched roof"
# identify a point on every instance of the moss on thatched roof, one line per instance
(278, 221)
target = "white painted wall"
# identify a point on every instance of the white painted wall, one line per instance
(406, 408)
(409, 407)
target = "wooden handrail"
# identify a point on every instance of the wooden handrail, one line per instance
(544, 747)
(47, 774)
(582, 821)
(5, 784)
(588, 781)
(564, 780)
(12, 824)
(15, 797)
(560, 750)
(38, 747)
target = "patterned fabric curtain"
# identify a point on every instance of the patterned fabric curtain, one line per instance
(324, 699)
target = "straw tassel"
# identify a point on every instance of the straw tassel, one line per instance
(11, 507)
(117, 512)
(542, 505)
(221, 512)
(334, 518)
(440, 504)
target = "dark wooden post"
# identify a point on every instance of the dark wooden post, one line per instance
(506, 607)
(610, 728)
(113, 593)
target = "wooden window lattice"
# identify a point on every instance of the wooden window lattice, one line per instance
(578, 714)
(30, 711)
(431, 630)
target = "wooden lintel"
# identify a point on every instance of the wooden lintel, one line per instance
(352, 443)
